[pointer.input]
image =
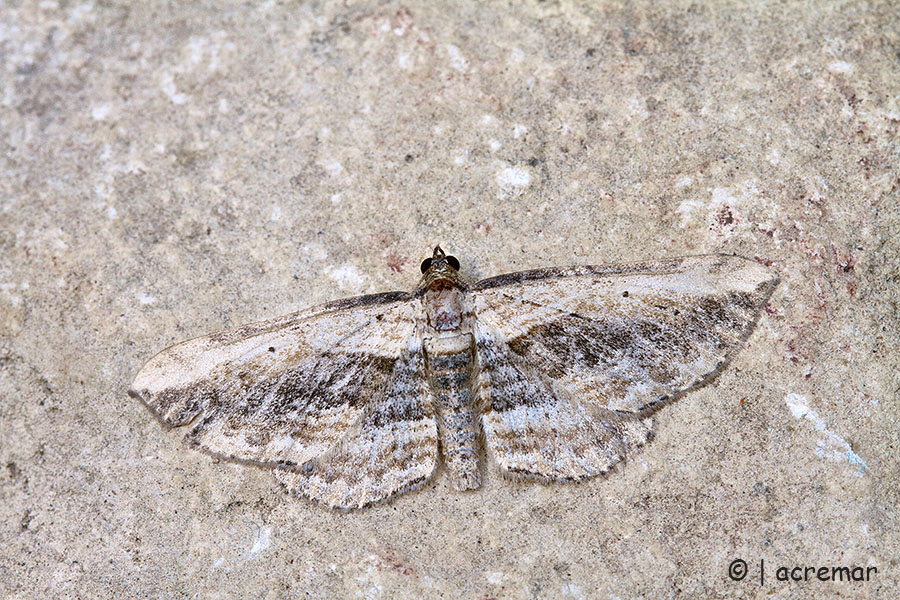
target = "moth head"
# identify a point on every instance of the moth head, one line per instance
(439, 262)
(440, 270)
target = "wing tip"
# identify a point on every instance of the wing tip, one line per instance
(144, 397)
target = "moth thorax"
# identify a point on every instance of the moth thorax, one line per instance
(443, 305)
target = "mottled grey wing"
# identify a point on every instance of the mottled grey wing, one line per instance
(534, 429)
(390, 450)
(618, 341)
(285, 393)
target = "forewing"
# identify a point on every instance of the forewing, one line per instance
(392, 448)
(284, 392)
(632, 337)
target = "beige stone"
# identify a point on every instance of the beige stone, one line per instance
(170, 170)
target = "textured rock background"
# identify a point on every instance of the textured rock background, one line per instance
(172, 170)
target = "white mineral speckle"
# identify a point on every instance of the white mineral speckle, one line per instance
(263, 540)
(830, 445)
(167, 83)
(145, 298)
(100, 111)
(840, 66)
(346, 276)
(513, 179)
(495, 578)
(333, 167)
(457, 60)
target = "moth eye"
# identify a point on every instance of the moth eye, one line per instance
(453, 262)
(426, 264)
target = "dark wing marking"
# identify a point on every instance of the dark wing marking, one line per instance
(391, 449)
(285, 392)
(534, 429)
(628, 338)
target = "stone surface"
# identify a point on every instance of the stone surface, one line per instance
(171, 170)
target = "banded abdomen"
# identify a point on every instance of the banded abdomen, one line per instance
(450, 363)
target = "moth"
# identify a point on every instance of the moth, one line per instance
(550, 374)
